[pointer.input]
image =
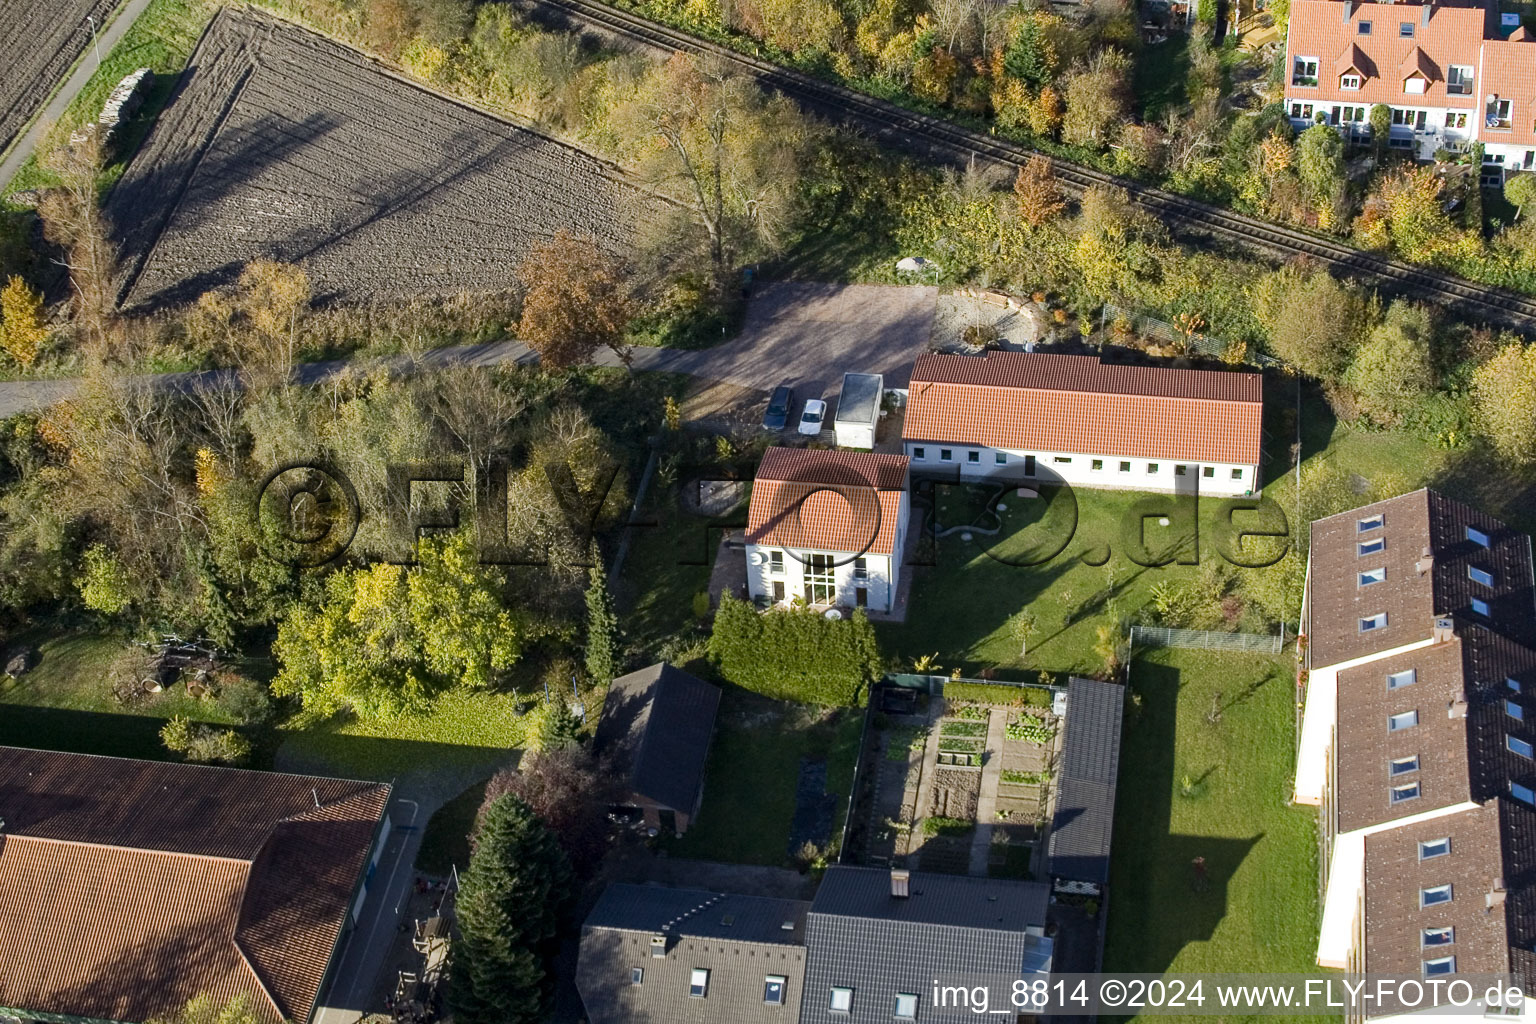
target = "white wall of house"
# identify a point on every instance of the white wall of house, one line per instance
(1319, 718)
(1346, 880)
(1082, 470)
(1420, 129)
(879, 576)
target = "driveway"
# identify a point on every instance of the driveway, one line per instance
(804, 334)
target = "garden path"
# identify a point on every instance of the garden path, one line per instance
(986, 804)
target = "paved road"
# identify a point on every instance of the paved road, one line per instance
(60, 101)
(807, 335)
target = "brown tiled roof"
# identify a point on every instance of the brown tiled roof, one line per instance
(1061, 403)
(1417, 589)
(129, 887)
(1328, 29)
(1354, 59)
(1394, 876)
(833, 501)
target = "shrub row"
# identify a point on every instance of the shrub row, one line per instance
(992, 693)
(794, 654)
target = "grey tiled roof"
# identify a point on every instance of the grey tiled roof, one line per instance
(860, 937)
(1085, 789)
(700, 913)
(660, 720)
(740, 957)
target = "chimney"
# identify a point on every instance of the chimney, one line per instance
(658, 946)
(1423, 565)
(1495, 897)
(1457, 708)
(901, 879)
(1349, 8)
(1424, 18)
(1445, 630)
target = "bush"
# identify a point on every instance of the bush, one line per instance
(989, 693)
(243, 699)
(204, 744)
(947, 827)
(794, 654)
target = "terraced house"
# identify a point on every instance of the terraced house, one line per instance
(1419, 739)
(1033, 416)
(1453, 73)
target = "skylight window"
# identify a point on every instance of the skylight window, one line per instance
(1430, 848)
(773, 989)
(1402, 720)
(1371, 576)
(1398, 680)
(841, 1001)
(1516, 745)
(906, 1006)
(1477, 575)
(1438, 937)
(1434, 895)
(1364, 28)
(1440, 965)
(1371, 622)
(1370, 547)
(1369, 523)
(1402, 793)
(1522, 793)
(1477, 536)
(1480, 607)
(1403, 765)
(1514, 711)
(636, 975)
(698, 983)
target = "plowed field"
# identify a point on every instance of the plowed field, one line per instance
(285, 145)
(42, 39)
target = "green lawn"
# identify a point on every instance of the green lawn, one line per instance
(1259, 911)
(463, 733)
(754, 765)
(668, 563)
(1157, 81)
(963, 606)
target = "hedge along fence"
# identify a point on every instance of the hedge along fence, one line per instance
(993, 693)
(794, 654)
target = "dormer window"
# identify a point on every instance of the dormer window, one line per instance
(1415, 85)
(1349, 81)
(1304, 71)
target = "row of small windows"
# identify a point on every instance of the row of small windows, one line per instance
(1370, 524)
(775, 990)
(841, 1001)
(973, 457)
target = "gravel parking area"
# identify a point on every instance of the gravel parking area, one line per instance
(42, 39)
(1016, 327)
(283, 144)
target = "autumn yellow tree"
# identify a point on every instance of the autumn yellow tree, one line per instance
(1504, 391)
(22, 329)
(576, 301)
(1037, 193)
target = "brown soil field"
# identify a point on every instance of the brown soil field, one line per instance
(42, 39)
(283, 144)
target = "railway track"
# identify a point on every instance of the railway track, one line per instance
(940, 139)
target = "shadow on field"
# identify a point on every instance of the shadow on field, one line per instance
(1153, 872)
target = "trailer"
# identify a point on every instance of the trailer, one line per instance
(858, 410)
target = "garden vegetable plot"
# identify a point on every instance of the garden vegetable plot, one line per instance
(42, 39)
(285, 145)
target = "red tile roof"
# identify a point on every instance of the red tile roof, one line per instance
(1329, 30)
(1509, 72)
(847, 502)
(1061, 403)
(129, 887)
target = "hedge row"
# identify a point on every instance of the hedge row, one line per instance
(991, 693)
(794, 654)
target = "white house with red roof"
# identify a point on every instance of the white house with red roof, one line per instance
(1448, 71)
(1023, 416)
(827, 528)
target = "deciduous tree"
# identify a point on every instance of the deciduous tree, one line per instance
(22, 328)
(576, 301)
(1504, 391)
(73, 220)
(1037, 192)
(1521, 190)
(602, 625)
(1393, 370)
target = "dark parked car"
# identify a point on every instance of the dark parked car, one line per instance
(777, 416)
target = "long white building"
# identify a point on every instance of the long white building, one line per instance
(1031, 416)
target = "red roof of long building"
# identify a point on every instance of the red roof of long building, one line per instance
(848, 502)
(129, 887)
(1037, 401)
